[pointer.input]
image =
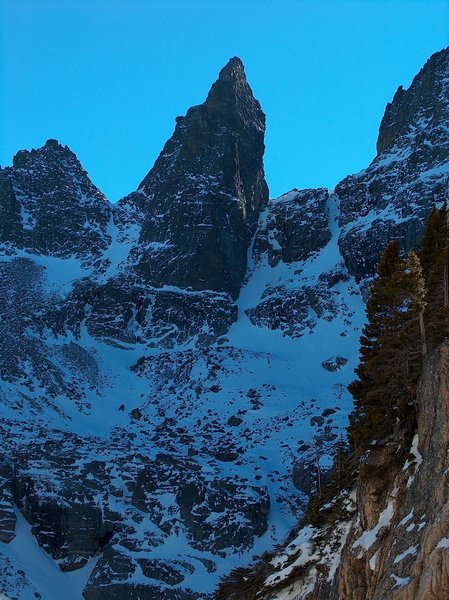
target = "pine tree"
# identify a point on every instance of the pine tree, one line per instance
(437, 313)
(412, 338)
(393, 344)
(365, 419)
(434, 239)
(435, 255)
(341, 460)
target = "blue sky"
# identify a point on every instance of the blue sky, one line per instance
(108, 78)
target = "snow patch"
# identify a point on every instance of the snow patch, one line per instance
(409, 552)
(42, 571)
(367, 539)
(400, 581)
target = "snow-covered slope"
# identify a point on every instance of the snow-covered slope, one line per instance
(189, 455)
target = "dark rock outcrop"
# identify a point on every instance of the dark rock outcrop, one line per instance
(49, 205)
(136, 314)
(334, 363)
(393, 196)
(201, 200)
(296, 227)
(7, 515)
(63, 507)
(198, 499)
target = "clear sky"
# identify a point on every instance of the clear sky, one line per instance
(108, 78)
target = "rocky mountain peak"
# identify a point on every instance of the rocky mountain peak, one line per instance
(205, 191)
(52, 152)
(234, 69)
(392, 198)
(426, 100)
(232, 95)
(232, 75)
(51, 206)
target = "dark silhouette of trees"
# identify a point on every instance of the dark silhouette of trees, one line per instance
(393, 345)
(434, 257)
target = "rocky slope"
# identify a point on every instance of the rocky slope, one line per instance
(172, 366)
(392, 537)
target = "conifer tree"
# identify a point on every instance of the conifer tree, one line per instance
(434, 239)
(412, 337)
(435, 255)
(367, 417)
(437, 313)
(415, 300)
(392, 347)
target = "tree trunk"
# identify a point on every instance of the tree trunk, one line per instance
(445, 286)
(422, 331)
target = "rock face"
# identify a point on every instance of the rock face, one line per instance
(197, 499)
(296, 226)
(301, 273)
(7, 516)
(49, 205)
(393, 196)
(128, 311)
(424, 104)
(397, 545)
(202, 199)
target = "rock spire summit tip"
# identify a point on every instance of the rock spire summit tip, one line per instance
(234, 69)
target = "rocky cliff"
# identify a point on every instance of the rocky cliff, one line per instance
(201, 201)
(399, 548)
(391, 198)
(391, 539)
(172, 366)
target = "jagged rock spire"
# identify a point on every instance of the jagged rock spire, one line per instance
(231, 93)
(50, 206)
(206, 190)
(423, 104)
